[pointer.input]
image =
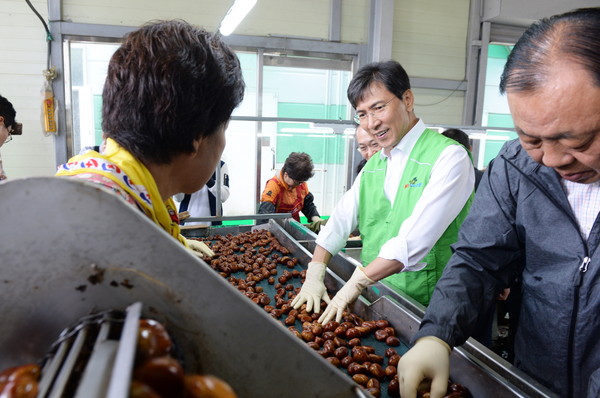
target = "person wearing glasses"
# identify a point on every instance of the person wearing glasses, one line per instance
(535, 215)
(408, 202)
(287, 191)
(367, 146)
(7, 125)
(164, 134)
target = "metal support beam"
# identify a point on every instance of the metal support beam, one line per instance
(54, 10)
(483, 56)
(473, 60)
(335, 21)
(438, 84)
(58, 84)
(293, 43)
(259, 139)
(381, 30)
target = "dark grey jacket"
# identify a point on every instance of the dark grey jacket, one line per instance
(521, 223)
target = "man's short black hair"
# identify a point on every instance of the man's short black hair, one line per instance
(570, 36)
(390, 74)
(459, 136)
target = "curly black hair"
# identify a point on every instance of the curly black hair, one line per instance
(299, 166)
(169, 84)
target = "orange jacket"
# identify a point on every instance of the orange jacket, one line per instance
(286, 199)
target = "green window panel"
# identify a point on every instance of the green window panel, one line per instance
(499, 51)
(317, 111)
(327, 149)
(500, 120)
(493, 147)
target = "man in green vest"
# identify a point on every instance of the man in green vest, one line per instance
(408, 201)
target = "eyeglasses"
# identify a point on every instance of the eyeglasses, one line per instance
(364, 148)
(376, 111)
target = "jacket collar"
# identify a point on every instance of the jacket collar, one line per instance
(545, 178)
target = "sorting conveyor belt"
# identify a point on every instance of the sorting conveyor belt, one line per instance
(482, 371)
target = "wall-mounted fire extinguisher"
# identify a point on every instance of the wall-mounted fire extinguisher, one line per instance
(49, 104)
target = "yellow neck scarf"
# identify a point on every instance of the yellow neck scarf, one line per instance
(117, 164)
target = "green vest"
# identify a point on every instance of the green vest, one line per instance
(379, 222)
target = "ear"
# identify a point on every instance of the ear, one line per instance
(198, 143)
(409, 100)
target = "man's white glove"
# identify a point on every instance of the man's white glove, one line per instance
(428, 359)
(313, 290)
(200, 248)
(347, 294)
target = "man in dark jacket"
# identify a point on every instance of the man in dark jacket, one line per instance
(537, 206)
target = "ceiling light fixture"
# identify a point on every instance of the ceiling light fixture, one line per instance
(235, 15)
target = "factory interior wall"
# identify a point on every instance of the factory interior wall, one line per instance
(430, 42)
(23, 47)
(25, 56)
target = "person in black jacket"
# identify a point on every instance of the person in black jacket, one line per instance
(461, 137)
(535, 216)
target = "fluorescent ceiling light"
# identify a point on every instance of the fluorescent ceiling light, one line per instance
(483, 136)
(313, 130)
(235, 15)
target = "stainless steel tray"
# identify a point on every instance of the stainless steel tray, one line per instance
(475, 366)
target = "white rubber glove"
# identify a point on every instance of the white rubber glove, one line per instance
(200, 248)
(347, 294)
(313, 290)
(429, 359)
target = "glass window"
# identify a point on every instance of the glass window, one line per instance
(88, 64)
(317, 95)
(302, 106)
(496, 114)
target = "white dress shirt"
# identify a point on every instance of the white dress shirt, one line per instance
(199, 206)
(451, 183)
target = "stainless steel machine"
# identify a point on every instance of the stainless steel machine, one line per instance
(69, 249)
(485, 373)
